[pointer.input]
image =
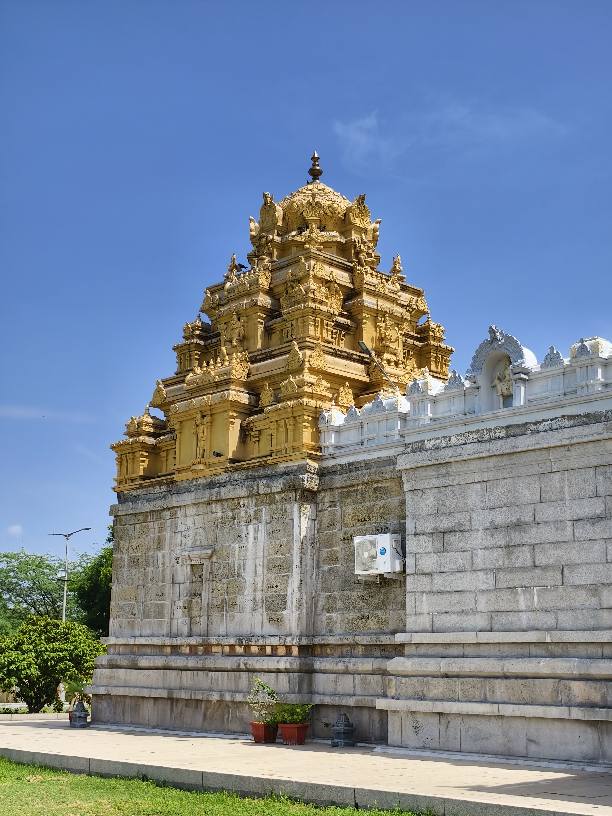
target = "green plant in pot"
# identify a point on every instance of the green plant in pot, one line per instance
(293, 721)
(263, 702)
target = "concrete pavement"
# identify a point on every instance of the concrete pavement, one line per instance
(365, 776)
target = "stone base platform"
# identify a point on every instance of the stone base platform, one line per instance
(363, 776)
(535, 695)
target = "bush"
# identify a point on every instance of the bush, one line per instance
(263, 702)
(293, 713)
(41, 654)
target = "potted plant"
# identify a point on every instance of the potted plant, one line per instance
(293, 722)
(263, 702)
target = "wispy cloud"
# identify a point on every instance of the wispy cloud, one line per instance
(94, 457)
(15, 530)
(469, 125)
(453, 126)
(363, 141)
(30, 412)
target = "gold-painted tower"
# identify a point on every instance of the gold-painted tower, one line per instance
(283, 344)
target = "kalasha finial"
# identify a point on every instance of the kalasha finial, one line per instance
(315, 171)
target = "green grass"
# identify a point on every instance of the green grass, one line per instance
(29, 790)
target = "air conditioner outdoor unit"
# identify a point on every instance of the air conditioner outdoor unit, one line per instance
(378, 554)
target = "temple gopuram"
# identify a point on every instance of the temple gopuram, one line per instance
(283, 343)
(314, 499)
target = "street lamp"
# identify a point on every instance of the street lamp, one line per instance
(62, 575)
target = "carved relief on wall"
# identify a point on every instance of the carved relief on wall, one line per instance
(345, 396)
(317, 357)
(266, 397)
(288, 388)
(200, 430)
(295, 358)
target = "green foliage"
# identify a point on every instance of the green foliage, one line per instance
(92, 590)
(263, 702)
(43, 652)
(28, 586)
(293, 712)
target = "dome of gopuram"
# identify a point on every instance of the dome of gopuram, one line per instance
(314, 200)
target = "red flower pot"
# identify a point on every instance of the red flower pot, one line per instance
(264, 732)
(293, 733)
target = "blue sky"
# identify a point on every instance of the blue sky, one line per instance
(137, 138)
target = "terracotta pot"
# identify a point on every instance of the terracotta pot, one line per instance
(264, 732)
(293, 733)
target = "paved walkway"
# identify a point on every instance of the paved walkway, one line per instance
(315, 772)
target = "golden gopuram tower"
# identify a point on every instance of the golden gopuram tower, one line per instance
(309, 323)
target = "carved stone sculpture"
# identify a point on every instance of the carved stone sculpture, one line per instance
(503, 382)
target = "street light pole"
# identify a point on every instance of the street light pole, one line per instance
(65, 577)
(65, 585)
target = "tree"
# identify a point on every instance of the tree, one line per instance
(92, 590)
(29, 586)
(42, 653)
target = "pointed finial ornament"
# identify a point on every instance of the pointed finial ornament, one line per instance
(315, 171)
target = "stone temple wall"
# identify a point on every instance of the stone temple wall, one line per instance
(508, 641)
(214, 558)
(496, 640)
(352, 501)
(250, 575)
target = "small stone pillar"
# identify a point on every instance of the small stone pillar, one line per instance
(520, 375)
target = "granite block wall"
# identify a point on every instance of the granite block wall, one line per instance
(256, 567)
(511, 532)
(509, 568)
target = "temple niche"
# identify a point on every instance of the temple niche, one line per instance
(283, 343)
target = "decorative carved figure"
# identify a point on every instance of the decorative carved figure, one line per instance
(503, 382)
(200, 436)
(583, 350)
(270, 215)
(232, 270)
(321, 387)
(234, 331)
(397, 270)
(266, 397)
(387, 334)
(415, 389)
(455, 381)
(317, 358)
(553, 358)
(295, 358)
(495, 335)
(345, 396)
(239, 365)
(288, 388)
(358, 214)
(159, 395)
(375, 232)
(363, 252)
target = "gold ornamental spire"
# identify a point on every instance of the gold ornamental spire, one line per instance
(285, 341)
(315, 171)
